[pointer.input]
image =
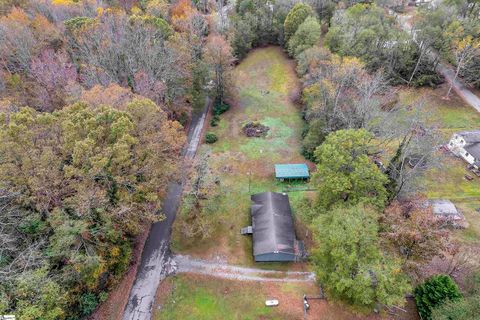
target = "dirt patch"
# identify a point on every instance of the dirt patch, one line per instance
(255, 129)
(112, 309)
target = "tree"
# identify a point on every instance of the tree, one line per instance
(434, 292)
(348, 261)
(307, 35)
(367, 32)
(39, 296)
(53, 72)
(113, 95)
(339, 94)
(219, 59)
(345, 173)
(123, 49)
(200, 203)
(464, 50)
(323, 8)
(78, 185)
(464, 309)
(415, 152)
(295, 18)
(17, 45)
(413, 230)
(256, 23)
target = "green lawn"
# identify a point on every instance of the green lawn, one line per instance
(210, 300)
(263, 83)
(191, 297)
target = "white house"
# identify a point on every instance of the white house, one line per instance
(466, 145)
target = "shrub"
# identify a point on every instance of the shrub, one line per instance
(434, 292)
(220, 107)
(211, 137)
(214, 121)
(88, 303)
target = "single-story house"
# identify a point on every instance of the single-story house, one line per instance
(291, 171)
(273, 229)
(466, 145)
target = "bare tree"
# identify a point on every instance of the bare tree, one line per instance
(415, 143)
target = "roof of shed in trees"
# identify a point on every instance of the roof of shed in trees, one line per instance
(443, 207)
(272, 222)
(291, 171)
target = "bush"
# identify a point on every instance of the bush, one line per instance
(214, 121)
(220, 107)
(432, 80)
(211, 137)
(434, 292)
(88, 303)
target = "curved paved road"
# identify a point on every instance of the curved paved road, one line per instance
(156, 262)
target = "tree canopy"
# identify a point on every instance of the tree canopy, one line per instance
(77, 185)
(307, 35)
(297, 15)
(348, 260)
(345, 172)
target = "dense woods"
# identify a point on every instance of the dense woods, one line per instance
(94, 96)
(91, 96)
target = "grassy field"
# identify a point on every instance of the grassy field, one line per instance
(189, 297)
(263, 86)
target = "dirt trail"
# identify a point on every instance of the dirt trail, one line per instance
(219, 269)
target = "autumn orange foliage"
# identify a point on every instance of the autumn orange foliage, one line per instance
(180, 13)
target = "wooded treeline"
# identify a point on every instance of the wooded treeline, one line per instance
(93, 95)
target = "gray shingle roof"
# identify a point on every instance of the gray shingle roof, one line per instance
(470, 136)
(272, 222)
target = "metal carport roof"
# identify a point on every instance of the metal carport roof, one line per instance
(291, 171)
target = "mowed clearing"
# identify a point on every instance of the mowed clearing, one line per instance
(265, 85)
(195, 297)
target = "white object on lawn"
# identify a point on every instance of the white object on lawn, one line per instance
(271, 303)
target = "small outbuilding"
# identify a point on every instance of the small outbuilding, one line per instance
(291, 171)
(446, 211)
(273, 229)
